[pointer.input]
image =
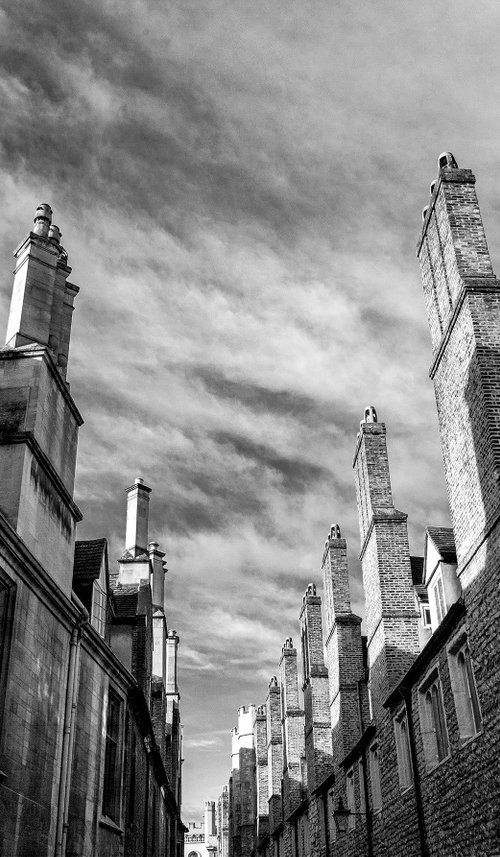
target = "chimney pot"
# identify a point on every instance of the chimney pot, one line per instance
(43, 219)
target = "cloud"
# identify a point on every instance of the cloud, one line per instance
(239, 188)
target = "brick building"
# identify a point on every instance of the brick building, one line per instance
(90, 738)
(392, 748)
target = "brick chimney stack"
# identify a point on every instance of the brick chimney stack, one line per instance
(344, 648)
(261, 770)
(462, 296)
(274, 752)
(292, 721)
(318, 734)
(391, 616)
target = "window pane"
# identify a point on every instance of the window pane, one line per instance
(438, 723)
(375, 778)
(112, 773)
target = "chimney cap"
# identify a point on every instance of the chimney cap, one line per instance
(447, 161)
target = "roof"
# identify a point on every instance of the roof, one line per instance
(417, 570)
(126, 599)
(88, 559)
(442, 538)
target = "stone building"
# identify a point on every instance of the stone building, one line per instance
(90, 737)
(200, 838)
(392, 747)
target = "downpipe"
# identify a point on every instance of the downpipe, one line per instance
(69, 729)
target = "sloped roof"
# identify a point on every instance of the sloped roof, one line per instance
(126, 599)
(88, 559)
(442, 538)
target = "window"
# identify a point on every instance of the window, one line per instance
(351, 799)
(403, 750)
(154, 822)
(426, 616)
(111, 797)
(307, 837)
(362, 793)
(132, 778)
(330, 825)
(440, 603)
(7, 592)
(99, 609)
(433, 722)
(373, 756)
(464, 690)
(305, 656)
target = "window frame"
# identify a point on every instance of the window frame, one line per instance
(8, 587)
(114, 775)
(350, 793)
(432, 714)
(439, 598)
(463, 686)
(99, 609)
(375, 781)
(403, 750)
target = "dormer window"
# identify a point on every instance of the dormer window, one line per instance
(439, 602)
(426, 616)
(98, 615)
(440, 573)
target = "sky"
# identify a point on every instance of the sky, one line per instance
(239, 186)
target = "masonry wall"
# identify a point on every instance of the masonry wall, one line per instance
(31, 737)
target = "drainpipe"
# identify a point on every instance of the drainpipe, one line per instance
(368, 812)
(145, 832)
(69, 729)
(406, 694)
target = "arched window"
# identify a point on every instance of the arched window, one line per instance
(464, 690)
(433, 721)
(403, 751)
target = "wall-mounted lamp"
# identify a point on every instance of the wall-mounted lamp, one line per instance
(341, 816)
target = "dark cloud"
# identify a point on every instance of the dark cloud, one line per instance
(239, 188)
(295, 474)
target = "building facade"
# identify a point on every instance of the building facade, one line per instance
(392, 746)
(200, 838)
(90, 736)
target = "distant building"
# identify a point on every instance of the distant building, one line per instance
(90, 736)
(391, 745)
(200, 838)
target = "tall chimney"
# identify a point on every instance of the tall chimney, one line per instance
(172, 645)
(210, 829)
(136, 534)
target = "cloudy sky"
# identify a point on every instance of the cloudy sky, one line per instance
(239, 186)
